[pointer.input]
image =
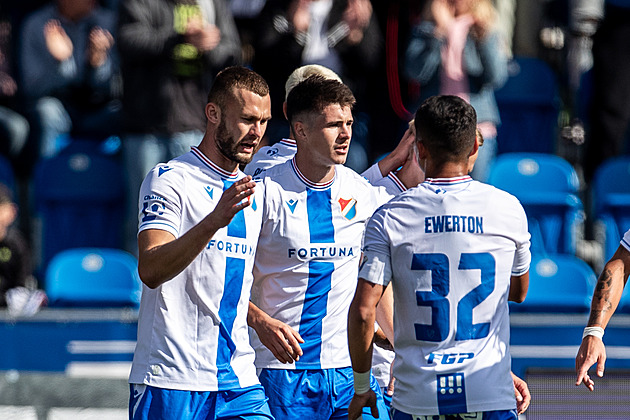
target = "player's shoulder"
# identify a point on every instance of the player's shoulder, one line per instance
(350, 175)
(494, 193)
(274, 173)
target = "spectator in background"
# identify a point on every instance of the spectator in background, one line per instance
(15, 256)
(68, 71)
(342, 35)
(170, 52)
(14, 127)
(610, 106)
(456, 50)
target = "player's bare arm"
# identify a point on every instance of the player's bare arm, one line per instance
(361, 317)
(518, 288)
(605, 300)
(282, 340)
(162, 256)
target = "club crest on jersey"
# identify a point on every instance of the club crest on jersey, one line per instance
(210, 191)
(291, 204)
(348, 208)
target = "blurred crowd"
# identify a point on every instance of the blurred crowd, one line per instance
(135, 73)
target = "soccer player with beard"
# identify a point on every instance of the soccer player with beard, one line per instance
(199, 224)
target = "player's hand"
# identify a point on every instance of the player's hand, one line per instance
(591, 351)
(362, 400)
(233, 200)
(380, 340)
(521, 393)
(282, 340)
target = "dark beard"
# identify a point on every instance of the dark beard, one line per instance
(228, 147)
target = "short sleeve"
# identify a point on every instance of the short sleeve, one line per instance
(159, 203)
(625, 241)
(522, 257)
(376, 263)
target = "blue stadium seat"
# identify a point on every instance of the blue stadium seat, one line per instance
(79, 200)
(93, 277)
(7, 176)
(611, 198)
(529, 106)
(558, 283)
(547, 187)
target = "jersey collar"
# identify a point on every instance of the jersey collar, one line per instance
(288, 142)
(213, 166)
(441, 185)
(310, 184)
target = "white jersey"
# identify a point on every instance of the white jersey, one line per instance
(391, 183)
(625, 241)
(192, 330)
(268, 156)
(307, 259)
(449, 246)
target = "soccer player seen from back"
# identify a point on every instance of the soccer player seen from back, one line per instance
(314, 213)
(199, 224)
(455, 251)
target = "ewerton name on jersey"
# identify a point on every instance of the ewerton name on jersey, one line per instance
(453, 223)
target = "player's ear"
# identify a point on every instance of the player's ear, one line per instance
(213, 113)
(475, 147)
(299, 129)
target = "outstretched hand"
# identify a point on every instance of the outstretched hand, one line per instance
(591, 351)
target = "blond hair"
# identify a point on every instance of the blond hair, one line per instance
(302, 73)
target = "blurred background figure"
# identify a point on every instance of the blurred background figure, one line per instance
(17, 284)
(14, 128)
(170, 51)
(342, 35)
(610, 105)
(69, 73)
(456, 49)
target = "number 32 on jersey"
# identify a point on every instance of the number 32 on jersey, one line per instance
(437, 300)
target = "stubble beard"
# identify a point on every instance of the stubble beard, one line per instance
(228, 146)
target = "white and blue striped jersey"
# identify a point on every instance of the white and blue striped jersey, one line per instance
(192, 330)
(306, 267)
(449, 247)
(268, 156)
(625, 241)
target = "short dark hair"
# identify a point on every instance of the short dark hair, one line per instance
(236, 77)
(316, 93)
(446, 125)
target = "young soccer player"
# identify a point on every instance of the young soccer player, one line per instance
(455, 251)
(199, 224)
(314, 212)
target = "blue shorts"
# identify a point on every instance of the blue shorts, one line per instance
(485, 415)
(314, 394)
(149, 403)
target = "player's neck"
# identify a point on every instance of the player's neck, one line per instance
(314, 172)
(211, 151)
(446, 170)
